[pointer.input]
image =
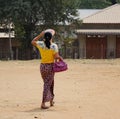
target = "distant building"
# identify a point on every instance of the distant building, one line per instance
(72, 50)
(99, 34)
(6, 38)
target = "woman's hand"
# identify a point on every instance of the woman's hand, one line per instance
(33, 42)
(57, 56)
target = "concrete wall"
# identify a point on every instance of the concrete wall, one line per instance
(82, 46)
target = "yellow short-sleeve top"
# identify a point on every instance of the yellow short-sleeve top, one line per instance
(47, 55)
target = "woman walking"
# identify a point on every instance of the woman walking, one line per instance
(49, 52)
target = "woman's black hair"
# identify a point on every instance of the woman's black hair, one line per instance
(47, 37)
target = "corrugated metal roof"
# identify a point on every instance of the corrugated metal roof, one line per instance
(83, 13)
(107, 15)
(99, 31)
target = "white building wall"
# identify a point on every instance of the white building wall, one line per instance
(111, 46)
(82, 46)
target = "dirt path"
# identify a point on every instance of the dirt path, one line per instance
(90, 89)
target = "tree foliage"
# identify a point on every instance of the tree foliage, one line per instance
(114, 1)
(32, 16)
(28, 14)
(97, 4)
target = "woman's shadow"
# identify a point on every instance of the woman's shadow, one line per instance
(40, 110)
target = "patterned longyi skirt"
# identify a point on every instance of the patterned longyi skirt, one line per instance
(47, 75)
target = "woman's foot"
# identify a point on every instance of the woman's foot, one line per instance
(43, 106)
(52, 103)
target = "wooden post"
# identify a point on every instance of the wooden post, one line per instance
(10, 43)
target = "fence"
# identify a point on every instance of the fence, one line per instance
(66, 52)
(4, 55)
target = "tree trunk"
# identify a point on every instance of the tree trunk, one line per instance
(27, 43)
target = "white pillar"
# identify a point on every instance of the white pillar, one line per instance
(111, 46)
(82, 46)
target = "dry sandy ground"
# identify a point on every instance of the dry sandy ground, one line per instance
(90, 89)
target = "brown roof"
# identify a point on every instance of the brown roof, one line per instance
(99, 31)
(108, 15)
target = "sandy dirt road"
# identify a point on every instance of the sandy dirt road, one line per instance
(90, 89)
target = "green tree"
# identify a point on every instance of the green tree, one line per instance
(114, 1)
(97, 4)
(27, 15)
